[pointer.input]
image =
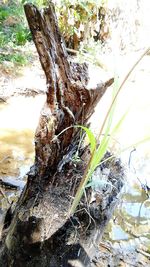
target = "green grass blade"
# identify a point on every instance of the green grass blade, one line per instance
(108, 123)
(120, 89)
(96, 156)
(112, 110)
(91, 137)
(79, 194)
(119, 123)
(99, 153)
(89, 173)
(146, 139)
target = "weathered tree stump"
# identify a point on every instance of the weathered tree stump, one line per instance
(41, 233)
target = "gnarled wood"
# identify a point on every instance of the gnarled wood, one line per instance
(41, 234)
(68, 102)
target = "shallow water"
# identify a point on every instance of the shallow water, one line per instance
(18, 122)
(131, 221)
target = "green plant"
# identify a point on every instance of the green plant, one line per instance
(21, 35)
(4, 13)
(40, 3)
(98, 150)
(79, 20)
(2, 39)
(13, 33)
(16, 58)
(12, 24)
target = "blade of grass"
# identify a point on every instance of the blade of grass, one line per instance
(111, 113)
(99, 153)
(106, 138)
(89, 171)
(119, 123)
(87, 175)
(146, 139)
(92, 139)
(104, 144)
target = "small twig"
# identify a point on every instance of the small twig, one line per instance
(105, 246)
(139, 214)
(75, 228)
(88, 215)
(88, 210)
(7, 157)
(2, 192)
(72, 51)
(130, 156)
(4, 195)
(8, 185)
(146, 254)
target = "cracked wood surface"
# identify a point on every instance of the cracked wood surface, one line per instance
(69, 101)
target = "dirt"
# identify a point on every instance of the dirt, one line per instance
(16, 81)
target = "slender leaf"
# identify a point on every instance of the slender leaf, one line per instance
(96, 156)
(119, 123)
(92, 139)
(146, 139)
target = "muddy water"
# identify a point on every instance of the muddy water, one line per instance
(18, 121)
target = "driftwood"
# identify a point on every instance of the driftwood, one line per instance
(41, 233)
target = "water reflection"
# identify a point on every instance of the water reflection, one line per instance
(131, 222)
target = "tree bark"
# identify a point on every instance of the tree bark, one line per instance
(41, 233)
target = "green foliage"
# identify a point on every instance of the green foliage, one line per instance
(14, 32)
(98, 150)
(4, 13)
(21, 35)
(3, 39)
(79, 20)
(92, 139)
(16, 58)
(39, 3)
(13, 25)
